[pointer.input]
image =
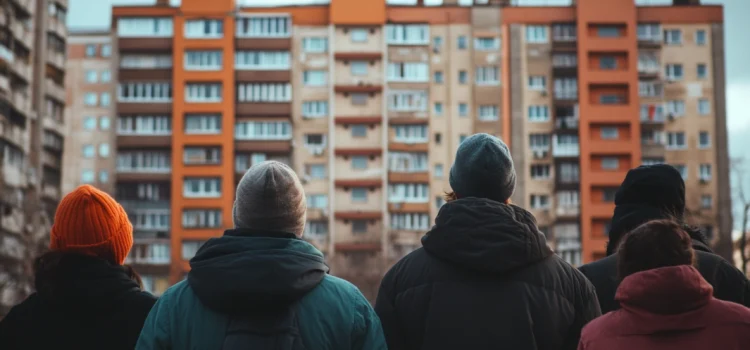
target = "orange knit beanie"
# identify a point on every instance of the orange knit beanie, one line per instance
(89, 221)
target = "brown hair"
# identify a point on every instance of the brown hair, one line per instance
(450, 196)
(655, 244)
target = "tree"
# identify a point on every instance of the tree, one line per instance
(737, 167)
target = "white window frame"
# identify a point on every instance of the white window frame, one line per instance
(610, 163)
(203, 92)
(487, 43)
(409, 193)
(315, 109)
(204, 28)
(702, 145)
(537, 34)
(676, 108)
(538, 114)
(410, 221)
(704, 106)
(488, 112)
(315, 44)
(359, 195)
(698, 36)
(671, 71)
(203, 60)
(201, 218)
(537, 83)
(673, 139)
(408, 162)
(263, 26)
(208, 187)
(704, 172)
(315, 77)
(407, 34)
(209, 124)
(359, 35)
(264, 92)
(359, 68)
(262, 60)
(408, 100)
(540, 171)
(262, 130)
(610, 133)
(672, 36)
(408, 72)
(487, 76)
(144, 27)
(540, 201)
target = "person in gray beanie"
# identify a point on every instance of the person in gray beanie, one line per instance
(262, 275)
(484, 277)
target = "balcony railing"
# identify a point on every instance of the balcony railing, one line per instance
(568, 210)
(564, 94)
(649, 67)
(569, 122)
(650, 89)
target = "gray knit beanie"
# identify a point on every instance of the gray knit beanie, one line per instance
(483, 169)
(270, 197)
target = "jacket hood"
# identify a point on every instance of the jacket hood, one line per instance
(71, 280)
(248, 270)
(485, 235)
(664, 291)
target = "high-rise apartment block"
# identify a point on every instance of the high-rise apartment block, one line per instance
(32, 103)
(368, 102)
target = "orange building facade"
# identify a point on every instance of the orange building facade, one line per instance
(368, 103)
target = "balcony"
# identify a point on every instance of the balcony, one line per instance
(6, 55)
(569, 123)
(649, 70)
(650, 40)
(22, 103)
(28, 6)
(564, 150)
(568, 210)
(51, 192)
(653, 115)
(651, 89)
(57, 59)
(24, 35)
(14, 175)
(55, 91)
(23, 70)
(51, 161)
(564, 37)
(14, 135)
(57, 27)
(566, 95)
(54, 125)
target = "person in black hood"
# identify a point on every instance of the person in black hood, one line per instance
(85, 298)
(485, 277)
(657, 192)
(260, 272)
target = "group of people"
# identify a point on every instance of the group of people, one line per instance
(484, 278)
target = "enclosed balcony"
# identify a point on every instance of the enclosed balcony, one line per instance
(565, 146)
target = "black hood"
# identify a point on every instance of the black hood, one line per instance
(251, 270)
(81, 282)
(485, 235)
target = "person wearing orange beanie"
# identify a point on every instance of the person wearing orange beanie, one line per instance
(81, 284)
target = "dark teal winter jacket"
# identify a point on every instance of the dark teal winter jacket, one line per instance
(246, 271)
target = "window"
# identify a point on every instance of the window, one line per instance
(537, 82)
(190, 248)
(203, 60)
(278, 26)
(566, 88)
(649, 32)
(202, 124)
(408, 100)
(489, 112)
(569, 172)
(359, 130)
(682, 169)
(90, 50)
(314, 77)
(437, 77)
(407, 34)
(201, 187)
(608, 32)
(702, 72)
(201, 155)
(564, 60)
(89, 123)
(438, 172)
(610, 163)
(106, 99)
(704, 139)
(650, 89)
(103, 176)
(462, 42)
(359, 195)
(90, 99)
(410, 221)
(463, 77)
(145, 61)
(700, 37)
(359, 226)
(706, 201)
(359, 67)
(649, 62)
(438, 138)
(315, 44)
(539, 142)
(203, 92)
(608, 195)
(256, 130)
(144, 161)
(486, 44)
(106, 76)
(315, 140)
(568, 199)
(408, 71)
(264, 92)
(104, 150)
(407, 162)
(676, 140)
(488, 75)
(317, 201)
(359, 99)
(676, 108)
(359, 162)
(674, 72)
(437, 43)
(316, 171)
(611, 99)
(536, 34)
(359, 35)
(410, 133)
(87, 176)
(540, 171)
(91, 76)
(89, 151)
(538, 113)
(609, 133)
(607, 63)
(564, 32)
(408, 193)
(144, 27)
(539, 201)
(438, 108)
(704, 107)
(652, 161)
(672, 36)
(315, 109)
(201, 218)
(704, 172)
(261, 60)
(145, 92)
(204, 28)
(463, 109)
(106, 50)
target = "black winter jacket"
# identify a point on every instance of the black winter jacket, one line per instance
(729, 283)
(81, 303)
(484, 279)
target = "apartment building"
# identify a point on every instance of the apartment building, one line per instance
(32, 101)
(368, 102)
(91, 83)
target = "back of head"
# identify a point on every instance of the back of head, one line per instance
(655, 244)
(483, 169)
(270, 197)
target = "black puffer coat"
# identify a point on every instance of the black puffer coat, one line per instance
(485, 279)
(81, 303)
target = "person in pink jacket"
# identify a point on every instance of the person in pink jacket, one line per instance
(666, 303)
